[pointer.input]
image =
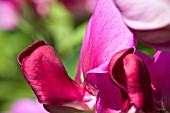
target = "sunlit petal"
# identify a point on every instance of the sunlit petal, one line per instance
(47, 76)
(106, 34)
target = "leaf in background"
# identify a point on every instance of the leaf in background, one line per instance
(145, 49)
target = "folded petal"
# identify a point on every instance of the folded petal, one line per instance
(47, 76)
(144, 14)
(130, 74)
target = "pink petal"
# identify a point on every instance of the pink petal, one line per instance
(149, 21)
(130, 74)
(158, 38)
(27, 106)
(47, 76)
(106, 34)
(8, 17)
(144, 14)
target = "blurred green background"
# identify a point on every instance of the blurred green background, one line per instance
(59, 29)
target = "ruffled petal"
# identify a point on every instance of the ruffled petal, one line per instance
(47, 76)
(149, 21)
(144, 14)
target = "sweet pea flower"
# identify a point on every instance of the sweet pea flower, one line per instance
(148, 20)
(46, 75)
(27, 106)
(8, 12)
(115, 79)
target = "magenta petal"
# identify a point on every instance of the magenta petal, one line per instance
(159, 70)
(109, 99)
(130, 74)
(29, 50)
(146, 59)
(106, 35)
(46, 75)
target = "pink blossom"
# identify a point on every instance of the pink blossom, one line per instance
(8, 12)
(27, 106)
(115, 79)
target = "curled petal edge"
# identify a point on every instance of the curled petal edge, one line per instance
(130, 74)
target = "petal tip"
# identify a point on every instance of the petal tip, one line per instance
(29, 50)
(117, 57)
